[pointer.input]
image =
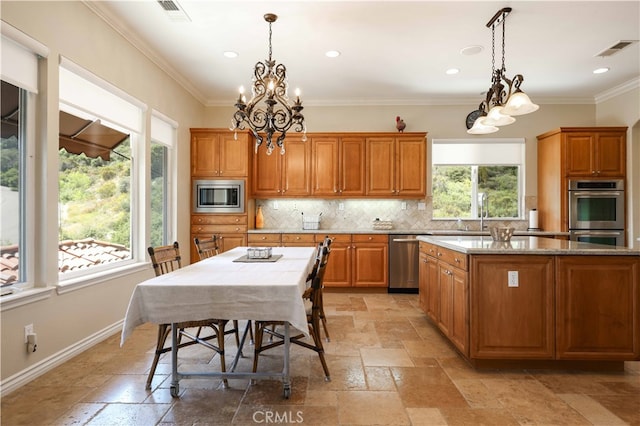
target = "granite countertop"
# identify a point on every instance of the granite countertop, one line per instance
(400, 231)
(525, 245)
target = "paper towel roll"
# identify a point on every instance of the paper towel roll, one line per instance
(533, 219)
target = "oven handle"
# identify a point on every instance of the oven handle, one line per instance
(596, 232)
(597, 194)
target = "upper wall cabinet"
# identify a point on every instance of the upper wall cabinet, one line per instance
(287, 175)
(216, 153)
(588, 151)
(338, 166)
(396, 166)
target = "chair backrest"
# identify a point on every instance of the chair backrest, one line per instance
(165, 259)
(206, 247)
(318, 279)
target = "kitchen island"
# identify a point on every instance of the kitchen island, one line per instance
(533, 302)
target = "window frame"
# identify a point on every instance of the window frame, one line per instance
(134, 126)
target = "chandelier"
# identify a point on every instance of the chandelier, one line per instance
(269, 111)
(493, 110)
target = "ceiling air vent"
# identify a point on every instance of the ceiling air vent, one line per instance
(174, 10)
(618, 46)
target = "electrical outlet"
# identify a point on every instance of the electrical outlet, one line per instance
(512, 277)
(340, 206)
(28, 329)
(275, 205)
(403, 206)
(422, 206)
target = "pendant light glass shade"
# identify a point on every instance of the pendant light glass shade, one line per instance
(519, 104)
(481, 128)
(497, 117)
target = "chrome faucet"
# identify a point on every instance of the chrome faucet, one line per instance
(482, 198)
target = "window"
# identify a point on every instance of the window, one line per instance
(163, 141)
(465, 173)
(18, 91)
(100, 139)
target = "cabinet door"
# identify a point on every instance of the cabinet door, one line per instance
(579, 154)
(231, 241)
(352, 166)
(204, 154)
(445, 296)
(411, 167)
(325, 166)
(338, 272)
(423, 281)
(380, 166)
(597, 307)
(459, 331)
(266, 173)
(296, 168)
(370, 265)
(512, 319)
(611, 154)
(233, 155)
(433, 289)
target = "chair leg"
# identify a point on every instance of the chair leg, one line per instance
(163, 333)
(257, 345)
(324, 326)
(317, 339)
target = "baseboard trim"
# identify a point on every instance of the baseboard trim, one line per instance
(25, 376)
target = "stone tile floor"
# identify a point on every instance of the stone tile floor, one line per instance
(389, 366)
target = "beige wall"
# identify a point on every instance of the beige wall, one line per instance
(66, 322)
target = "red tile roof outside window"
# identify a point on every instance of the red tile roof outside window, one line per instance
(73, 255)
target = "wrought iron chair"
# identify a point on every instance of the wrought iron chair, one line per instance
(166, 259)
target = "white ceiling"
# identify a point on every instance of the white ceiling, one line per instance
(393, 52)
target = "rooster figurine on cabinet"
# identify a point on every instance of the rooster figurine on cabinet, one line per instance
(400, 124)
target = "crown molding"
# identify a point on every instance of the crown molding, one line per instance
(113, 21)
(618, 90)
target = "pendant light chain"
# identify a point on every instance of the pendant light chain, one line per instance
(504, 24)
(493, 48)
(270, 32)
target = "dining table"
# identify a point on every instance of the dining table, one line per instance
(229, 286)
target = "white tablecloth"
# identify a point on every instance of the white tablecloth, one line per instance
(217, 287)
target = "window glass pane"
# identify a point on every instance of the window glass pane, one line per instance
(454, 188)
(159, 204)
(12, 148)
(94, 208)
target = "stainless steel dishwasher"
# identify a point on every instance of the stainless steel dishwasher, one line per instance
(403, 263)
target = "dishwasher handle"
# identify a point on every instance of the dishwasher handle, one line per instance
(405, 240)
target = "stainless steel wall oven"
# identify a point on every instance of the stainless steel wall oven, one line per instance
(597, 211)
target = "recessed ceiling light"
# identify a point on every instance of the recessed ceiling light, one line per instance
(600, 70)
(471, 50)
(332, 54)
(452, 71)
(230, 54)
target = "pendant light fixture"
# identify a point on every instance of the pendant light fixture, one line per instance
(494, 111)
(269, 112)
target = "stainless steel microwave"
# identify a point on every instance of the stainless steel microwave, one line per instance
(218, 196)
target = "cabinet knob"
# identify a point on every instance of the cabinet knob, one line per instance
(439, 254)
(456, 260)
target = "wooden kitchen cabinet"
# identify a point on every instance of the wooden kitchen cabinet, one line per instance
(396, 166)
(338, 166)
(338, 272)
(287, 175)
(575, 152)
(370, 260)
(597, 308)
(216, 153)
(264, 240)
(298, 240)
(595, 154)
(512, 320)
(231, 230)
(444, 278)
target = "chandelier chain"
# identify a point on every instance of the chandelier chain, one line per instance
(504, 24)
(270, 32)
(493, 48)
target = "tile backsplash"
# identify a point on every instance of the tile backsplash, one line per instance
(358, 214)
